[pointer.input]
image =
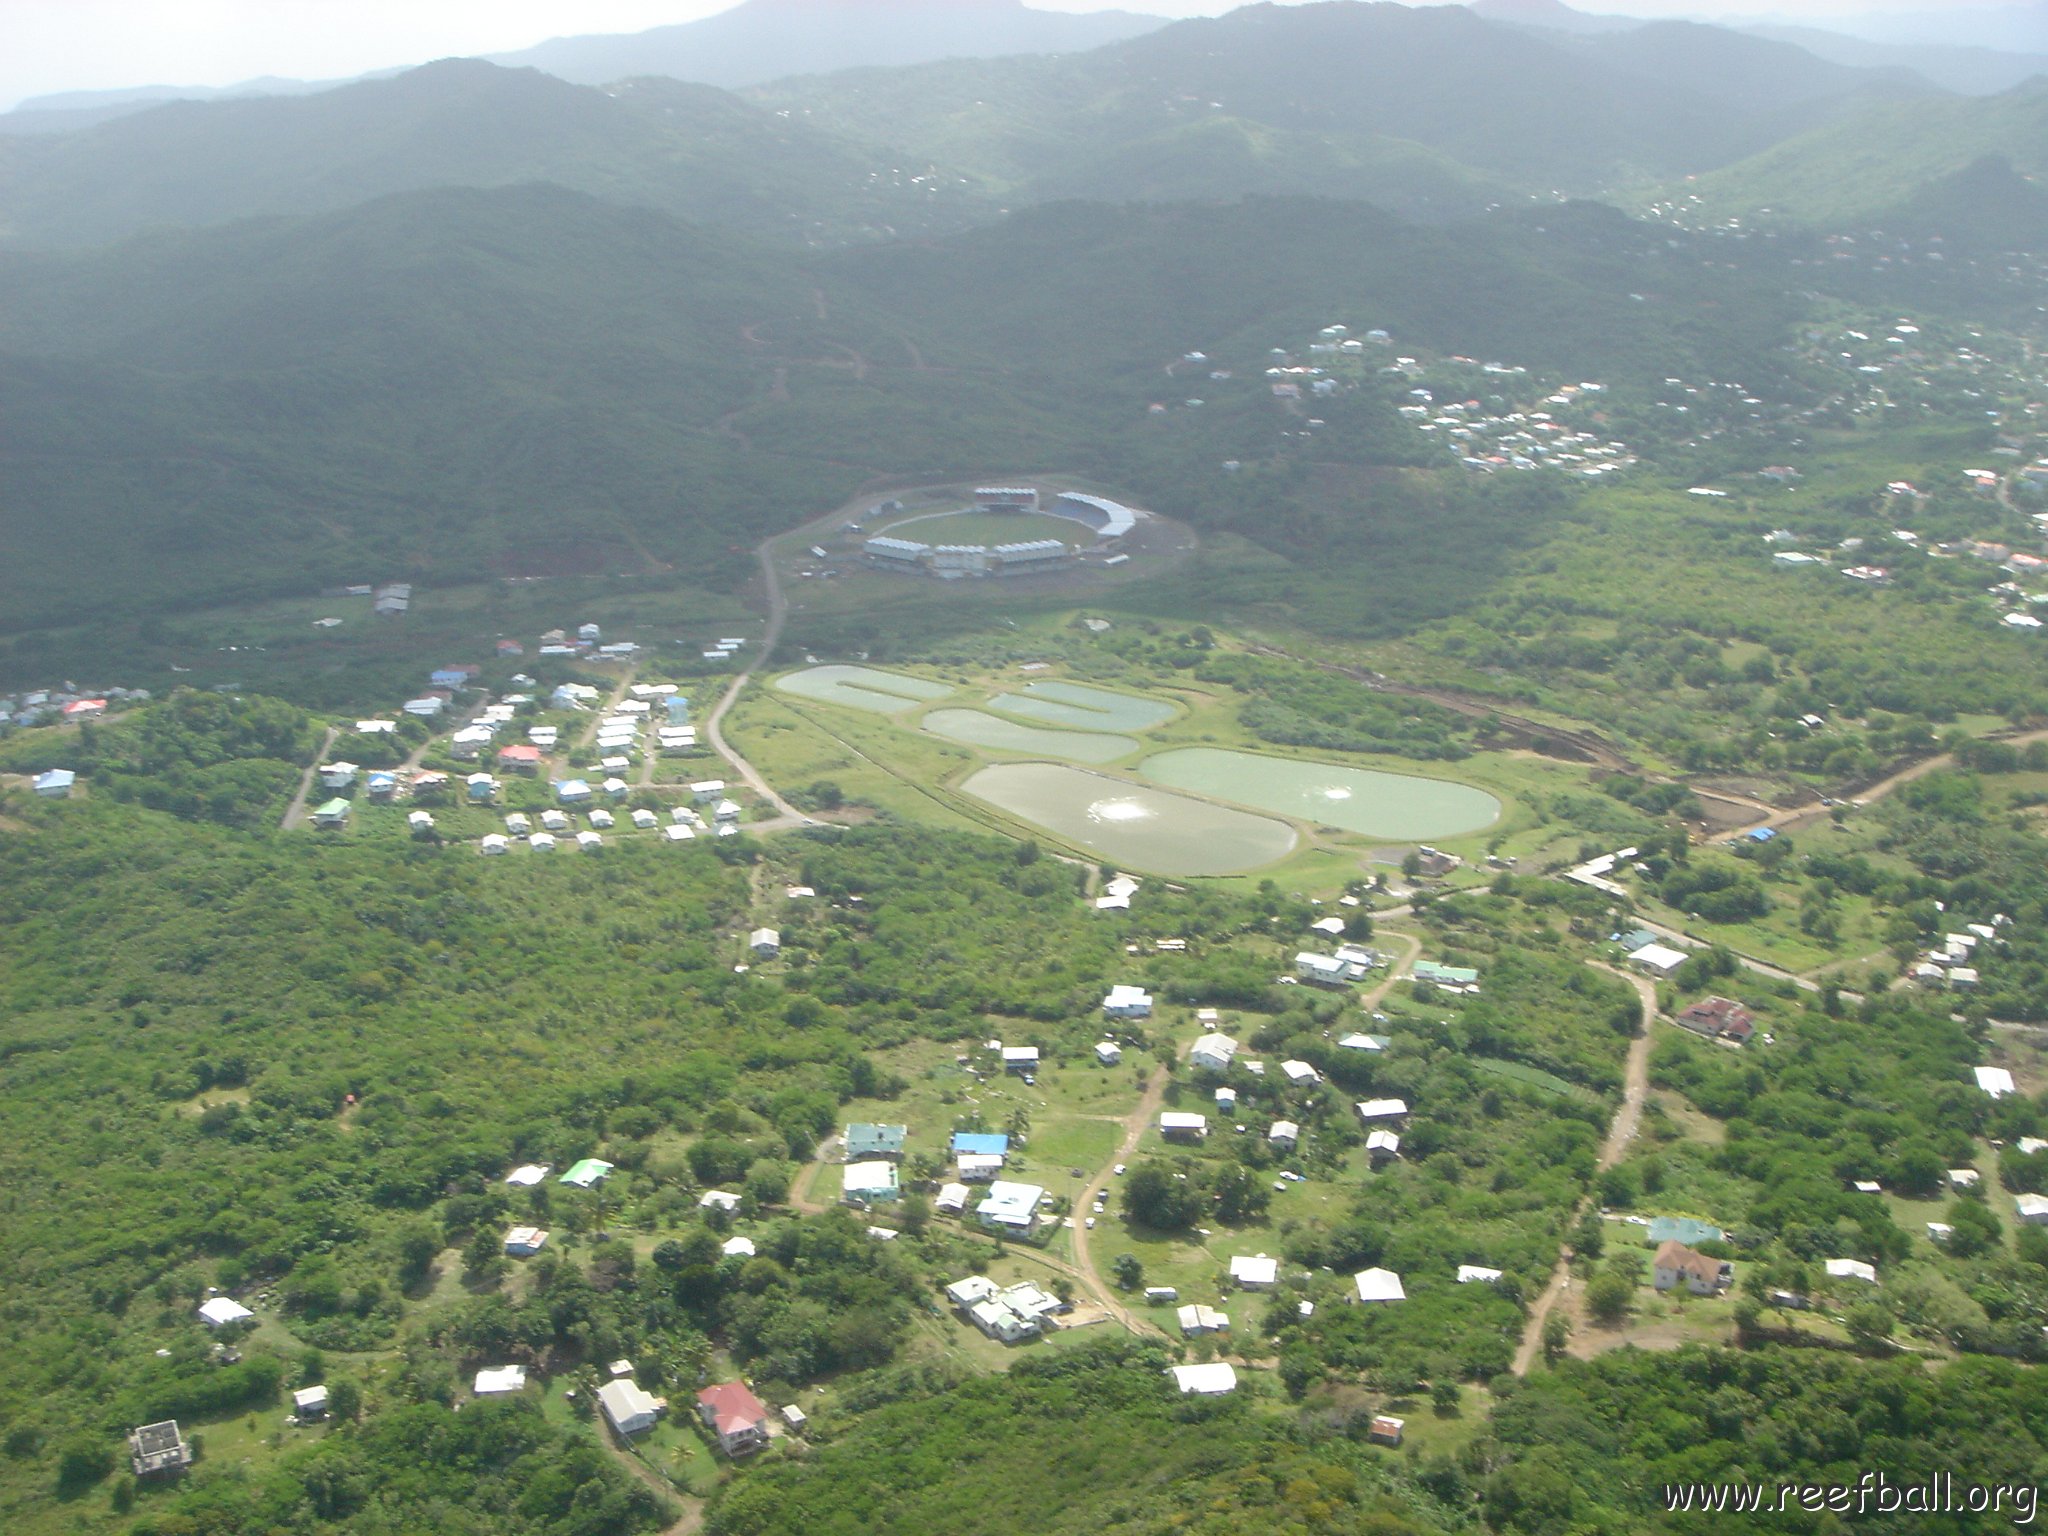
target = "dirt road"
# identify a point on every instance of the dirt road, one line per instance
(295, 813)
(1084, 1262)
(1627, 1121)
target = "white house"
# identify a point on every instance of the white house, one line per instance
(1382, 1109)
(1368, 1043)
(1469, 1274)
(1213, 1053)
(1995, 1081)
(493, 842)
(309, 1403)
(1377, 1285)
(1108, 1052)
(527, 1174)
(1127, 1002)
(222, 1310)
(1852, 1269)
(1210, 1380)
(867, 1182)
(1197, 1319)
(1256, 1272)
(952, 1199)
(492, 1381)
(1021, 1059)
(1657, 959)
(765, 942)
(525, 1242)
(718, 1200)
(1326, 969)
(1301, 1074)
(2032, 1210)
(1380, 1145)
(738, 1248)
(56, 784)
(1012, 1205)
(1226, 1100)
(628, 1407)
(1178, 1123)
(979, 1167)
(1284, 1133)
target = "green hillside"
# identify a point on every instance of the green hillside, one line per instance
(1858, 170)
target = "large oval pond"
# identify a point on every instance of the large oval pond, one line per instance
(1146, 829)
(1391, 805)
(1085, 708)
(885, 693)
(977, 729)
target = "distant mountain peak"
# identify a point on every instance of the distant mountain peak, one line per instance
(1554, 14)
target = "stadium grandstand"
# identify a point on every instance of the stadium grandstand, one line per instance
(1006, 498)
(1110, 520)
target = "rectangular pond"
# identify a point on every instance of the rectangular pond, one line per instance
(883, 693)
(1084, 708)
(1152, 830)
(977, 729)
(1391, 805)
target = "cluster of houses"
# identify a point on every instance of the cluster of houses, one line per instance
(65, 704)
(1953, 962)
(1007, 1314)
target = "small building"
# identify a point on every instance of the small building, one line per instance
(738, 1248)
(718, 1200)
(493, 843)
(1718, 1018)
(1963, 1178)
(494, 1381)
(1379, 1285)
(1300, 1074)
(984, 1142)
(1658, 960)
(1674, 1265)
(1011, 1205)
(2031, 1210)
(1852, 1269)
(220, 1311)
(338, 775)
(865, 1141)
(1385, 1429)
(866, 1183)
(1020, 1059)
(1255, 1272)
(1108, 1052)
(309, 1403)
(157, 1450)
(573, 791)
(628, 1408)
(1366, 1043)
(1477, 1274)
(1196, 1319)
(951, 1199)
(1382, 1146)
(381, 786)
(1443, 975)
(794, 1417)
(1284, 1133)
(527, 1175)
(765, 943)
(1127, 1002)
(1226, 1100)
(1179, 1125)
(56, 785)
(1326, 970)
(482, 788)
(1995, 1081)
(1372, 1110)
(520, 758)
(1213, 1379)
(978, 1167)
(1682, 1229)
(525, 1242)
(334, 813)
(586, 1173)
(1162, 1293)
(1213, 1053)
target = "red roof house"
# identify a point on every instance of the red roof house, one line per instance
(735, 1415)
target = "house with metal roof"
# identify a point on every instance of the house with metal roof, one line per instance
(864, 1141)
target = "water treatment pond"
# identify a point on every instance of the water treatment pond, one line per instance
(885, 693)
(1085, 708)
(1391, 805)
(1145, 829)
(977, 729)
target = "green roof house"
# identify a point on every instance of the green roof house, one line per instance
(333, 814)
(864, 1141)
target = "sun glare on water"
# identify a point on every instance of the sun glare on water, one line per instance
(1120, 810)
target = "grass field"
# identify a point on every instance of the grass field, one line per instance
(983, 528)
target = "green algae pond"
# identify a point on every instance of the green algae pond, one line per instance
(1391, 805)
(1133, 825)
(977, 729)
(869, 688)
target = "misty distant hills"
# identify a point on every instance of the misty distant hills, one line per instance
(769, 39)
(700, 153)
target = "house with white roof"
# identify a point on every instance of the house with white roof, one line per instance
(629, 1408)
(1378, 1285)
(718, 1200)
(1127, 1002)
(1469, 1274)
(765, 943)
(951, 1199)
(1208, 1380)
(865, 1183)
(1657, 959)
(1255, 1272)
(1382, 1109)
(1108, 1052)
(1196, 1319)
(527, 1174)
(495, 1380)
(1180, 1125)
(1284, 1133)
(525, 1242)
(1011, 1205)
(1213, 1053)
(2031, 1210)
(1301, 1074)
(1995, 1081)
(222, 1310)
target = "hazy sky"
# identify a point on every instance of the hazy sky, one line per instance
(61, 45)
